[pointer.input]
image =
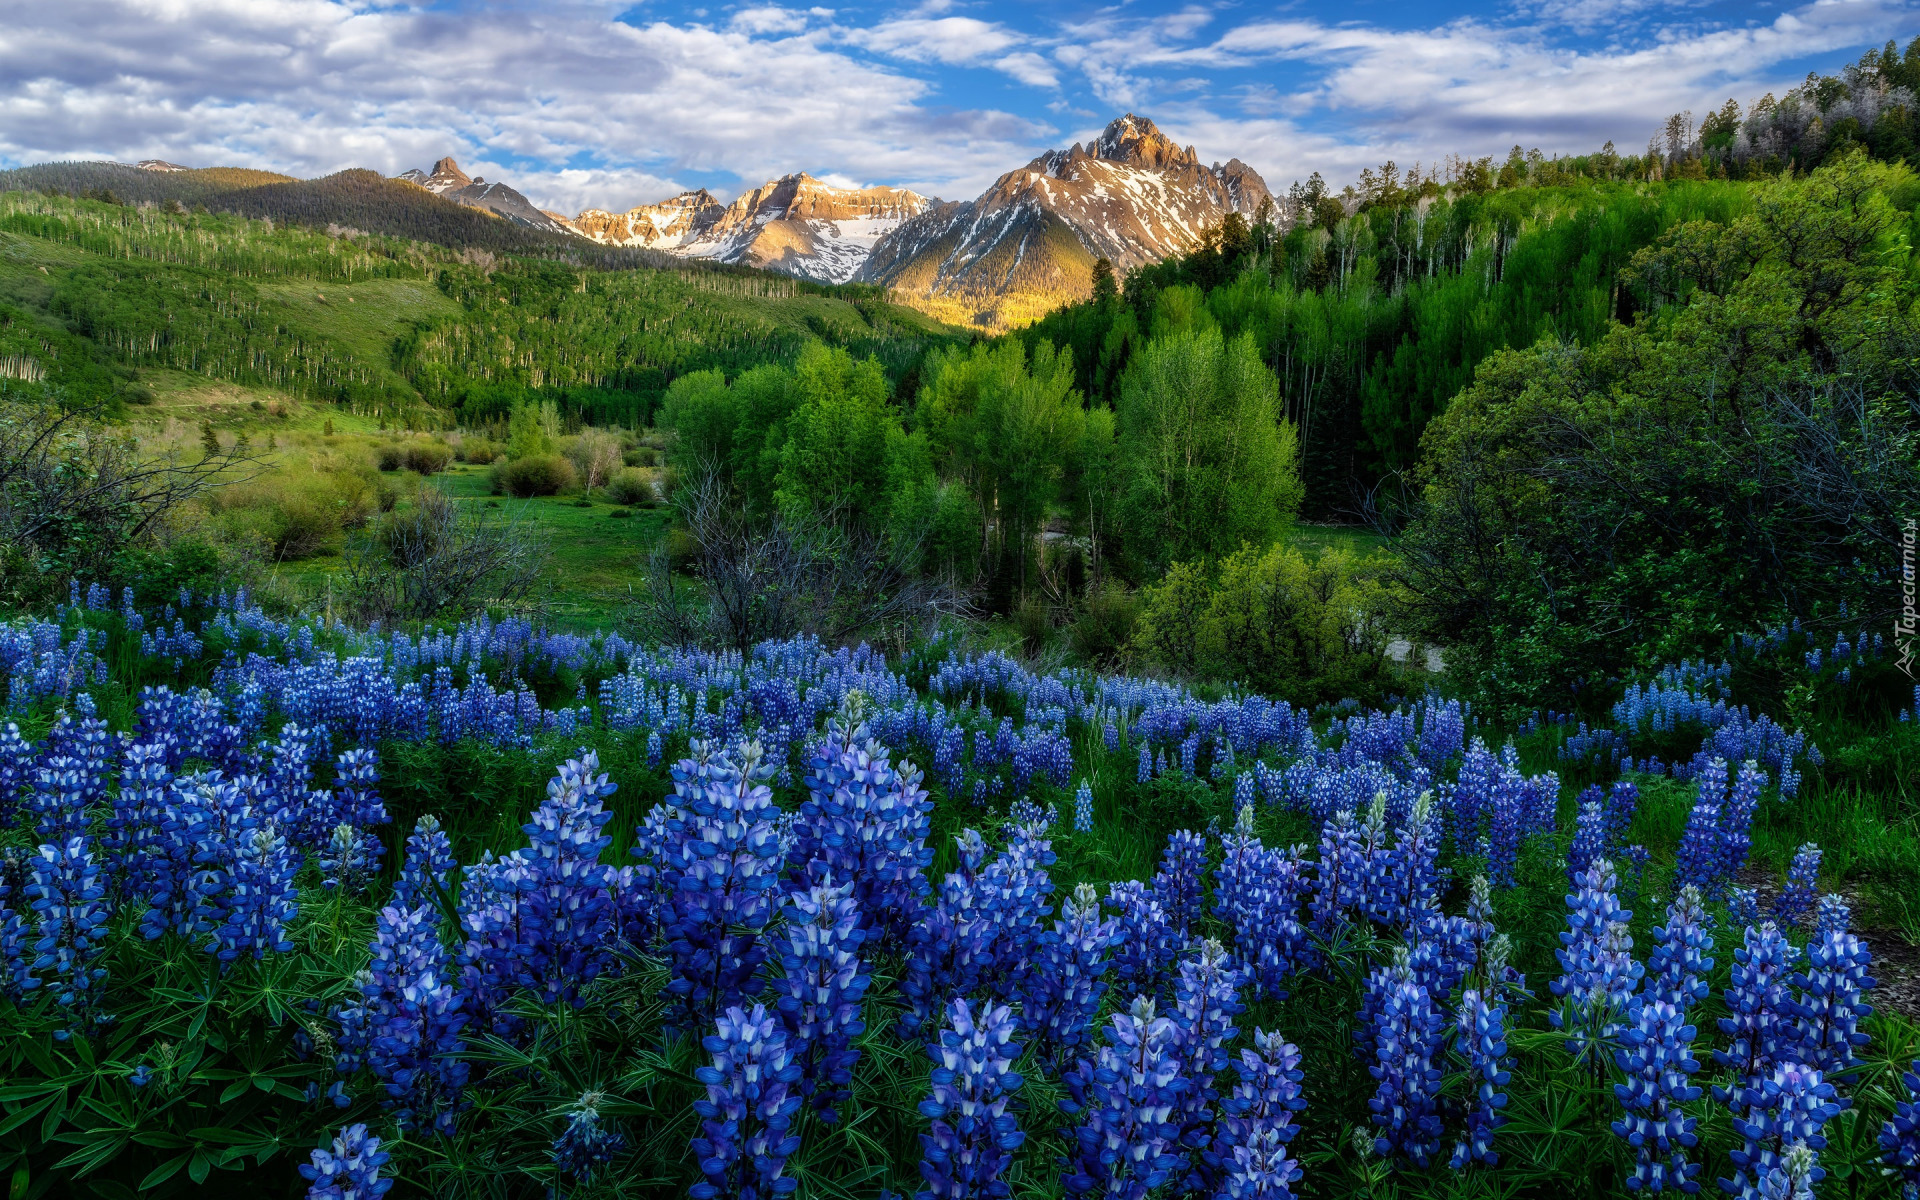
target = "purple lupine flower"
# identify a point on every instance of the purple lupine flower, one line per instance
(1657, 1058)
(1736, 818)
(1597, 960)
(16, 770)
(428, 868)
(1622, 806)
(1125, 1145)
(1589, 837)
(867, 821)
(1834, 915)
(261, 900)
(1794, 904)
(58, 802)
(821, 990)
(1063, 990)
(1697, 862)
(1677, 965)
(1256, 1122)
(405, 1026)
(1407, 1041)
(16, 935)
(1340, 885)
(1793, 1178)
(351, 1170)
(1827, 1007)
(1759, 1024)
(1480, 1038)
(1787, 1107)
(68, 899)
(586, 1144)
(1207, 998)
(1414, 878)
(349, 859)
(1177, 884)
(1083, 805)
(135, 825)
(1743, 907)
(1900, 1135)
(973, 1135)
(565, 896)
(1148, 943)
(744, 1145)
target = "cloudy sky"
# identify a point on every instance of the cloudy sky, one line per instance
(589, 104)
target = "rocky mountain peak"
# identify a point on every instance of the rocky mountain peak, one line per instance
(450, 171)
(1138, 142)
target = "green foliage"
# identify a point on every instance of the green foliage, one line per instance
(1742, 455)
(1205, 461)
(841, 436)
(533, 475)
(1273, 621)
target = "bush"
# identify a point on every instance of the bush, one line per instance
(301, 525)
(535, 475)
(641, 456)
(390, 458)
(631, 487)
(1105, 629)
(1269, 619)
(428, 458)
(477, 451)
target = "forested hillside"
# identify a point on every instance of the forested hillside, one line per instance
(95, 290)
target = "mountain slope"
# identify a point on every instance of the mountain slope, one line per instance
(136, 184)
(1131, 196)
(794, 224)
(449, 181)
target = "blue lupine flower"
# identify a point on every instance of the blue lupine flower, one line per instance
(351, 1170)
(428, 868)
(866, 822)
(1597, 958)
(1590, 835)
(261, 900)
(744, 1145)
(973, 1136)
(1900, 1135)
(1697, 862)
(1256, 1122)
(1178, 882)
(1207, 998)
(1480, 1033)
(1148, 943)
(1743, 907)
(140, 1076)
(405, 1026)
(1677, 966)
(1834, 915)
(1794, 904)
(1083, 807)
(1759, 1025)
(1787, 1107)
(1793, 1178)
(67, 895)
(820, 992)
(1063, 989)
(1827, 1007)
(586, 1144)
(1341, 881)
(1407, 1033)
(1125, 1145)
(1657, 1058)
(1413, 879)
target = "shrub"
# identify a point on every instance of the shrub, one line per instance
(428, 458)
(641, 456)
(301, 524)
(390, 458)
(1272, 620)
(477, 451)
(535, 475)
(1105, 629)
(595, 455)
(630, 487)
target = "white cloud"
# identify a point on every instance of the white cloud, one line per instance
(555, 100)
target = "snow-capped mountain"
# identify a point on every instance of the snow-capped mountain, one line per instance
(794, 224)
(447, 179)
(1131, 195)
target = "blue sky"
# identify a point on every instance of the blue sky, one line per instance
(584, 104)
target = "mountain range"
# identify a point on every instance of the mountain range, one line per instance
(1027, 243)
(1131, 195)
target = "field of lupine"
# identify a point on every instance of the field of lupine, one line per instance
(285, 906)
